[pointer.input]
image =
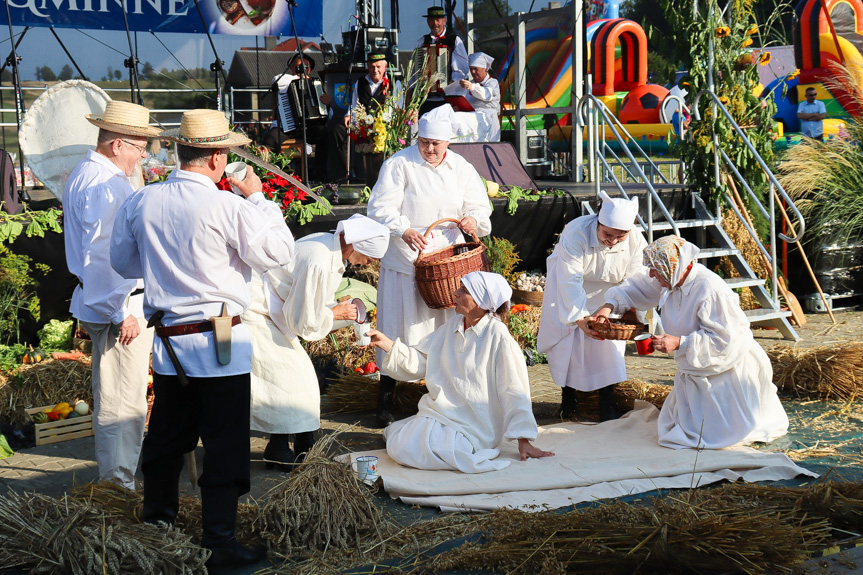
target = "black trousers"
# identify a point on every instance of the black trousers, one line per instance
(216, 409)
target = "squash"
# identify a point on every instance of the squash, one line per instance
(33, 356)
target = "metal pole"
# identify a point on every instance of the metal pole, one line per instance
(74, 63)
(218, 65)
(19, 101)
(773, 266)
(579, 68)
(520, 91)
(132, 61)
(468, 22)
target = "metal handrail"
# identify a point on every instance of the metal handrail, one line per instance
(584, 117)
(721, 107)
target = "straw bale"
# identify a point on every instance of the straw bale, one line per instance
(45, 383)
(367, 274)
(353, 392)
(748, 249)
(627, 392)
(824, 372)
(69, 535)
(340, 345)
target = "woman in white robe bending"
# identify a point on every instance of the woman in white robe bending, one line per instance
(479, 393)
(292, 302)
(594, 254)
(723, 391)
(416, 187)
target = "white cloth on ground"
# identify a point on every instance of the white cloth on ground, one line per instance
(579, 272)
(119, 399)
(93, 194)
(411, 193)
(723, 390)
(478, 387)
(219, 236)
(613, 459)
(289, 303)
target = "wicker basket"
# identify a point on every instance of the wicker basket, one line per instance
(528, 297)
(439, 273)
(615, 329)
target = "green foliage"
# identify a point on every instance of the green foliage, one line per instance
(502, 257)
(735, 77)
(33, 223)
(521, 330)
(514, 193)
(10, 356)
(17, 293)
(56, 335)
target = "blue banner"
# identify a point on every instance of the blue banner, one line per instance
(244, 17)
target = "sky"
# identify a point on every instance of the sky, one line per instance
(95, 50)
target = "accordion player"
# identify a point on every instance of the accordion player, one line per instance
(292, 110)
(430, 60)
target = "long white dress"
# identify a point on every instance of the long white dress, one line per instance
(411, 193)
(485, 98)
(289, 303)
(479, 395)
(723, 391)
(580, 271)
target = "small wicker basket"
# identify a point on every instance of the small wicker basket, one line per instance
(438, 274)
(528, 297)
(616, 329)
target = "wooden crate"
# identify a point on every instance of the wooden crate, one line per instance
(63, 429)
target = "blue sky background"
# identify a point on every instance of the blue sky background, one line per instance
(94, 55)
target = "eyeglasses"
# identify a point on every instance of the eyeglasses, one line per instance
(141, 149)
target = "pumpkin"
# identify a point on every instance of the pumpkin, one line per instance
(33, 356)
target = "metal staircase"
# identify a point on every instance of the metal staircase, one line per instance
(596, 119)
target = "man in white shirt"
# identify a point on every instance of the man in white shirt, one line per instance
(811, 114)
(195, 246)
(483, 93)
(110, 308)
(456, 53)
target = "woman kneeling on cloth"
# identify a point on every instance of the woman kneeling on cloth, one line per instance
(723, 391)
(292, 302)
(479, 393)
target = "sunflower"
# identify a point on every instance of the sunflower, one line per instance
(794, 74)
(723, 31)
(764, 58)
(752, 30)
(724, 100)
(747, 42)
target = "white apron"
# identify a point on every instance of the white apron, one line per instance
(580, 271)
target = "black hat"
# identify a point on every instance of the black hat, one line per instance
(435, 12)
(376, 57)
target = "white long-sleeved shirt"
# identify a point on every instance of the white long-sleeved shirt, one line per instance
(92, 197)
(411, 193)
(299, 295)
(477, 380)
(485, 95)
(396, 89)
(195, 245)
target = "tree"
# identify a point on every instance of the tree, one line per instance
(65, 73)
(38, 73)
(147, 70)
(118, 74)
(493, 40)
(48, 74)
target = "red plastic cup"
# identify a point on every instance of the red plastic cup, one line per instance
(644, 344)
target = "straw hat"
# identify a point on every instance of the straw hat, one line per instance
(205, 129)
(125, 118)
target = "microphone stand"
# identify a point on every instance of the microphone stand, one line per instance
(305, 88)
(349, 86)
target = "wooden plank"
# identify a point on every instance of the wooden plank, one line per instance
(64, 437)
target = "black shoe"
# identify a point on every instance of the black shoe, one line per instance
(233, 554)
(567, 403)
(385, 401)
(607, 411)
(303, 443)
(161, 500)
(278, 454)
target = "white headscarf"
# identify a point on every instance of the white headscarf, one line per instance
(367, 236)
(439, 124)
(480, 60)
(488, 290)
(670, 256)
(617, 213)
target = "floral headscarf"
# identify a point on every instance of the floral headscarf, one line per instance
(669, 256)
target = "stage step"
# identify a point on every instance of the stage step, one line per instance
(763, 314)
(717, 252)
(735, 283)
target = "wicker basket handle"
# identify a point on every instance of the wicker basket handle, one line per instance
(436, 224)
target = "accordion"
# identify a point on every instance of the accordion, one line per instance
(432, 60)
(292, 113)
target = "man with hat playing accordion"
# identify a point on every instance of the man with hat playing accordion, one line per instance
(457, 64)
